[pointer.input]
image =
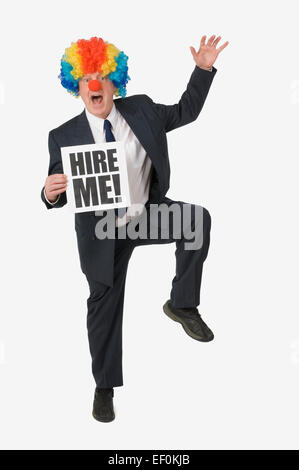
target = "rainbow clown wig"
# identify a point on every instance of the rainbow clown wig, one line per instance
(93, 55)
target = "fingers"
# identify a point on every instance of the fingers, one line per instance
(57, 178)
(222, 47)
(193, 51)
(216, 41)
(55, 189)
(210, 41)
(203, 41)
(55, 185)
(60, 178)
(213, 42)
(53, 194)
(56, 192)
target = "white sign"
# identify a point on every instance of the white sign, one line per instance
(97, 176)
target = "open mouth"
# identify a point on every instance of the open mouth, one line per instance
(97, 99)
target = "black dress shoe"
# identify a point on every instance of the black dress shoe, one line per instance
(103, 405)
(192, 322)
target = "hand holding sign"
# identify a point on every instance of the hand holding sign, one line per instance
(97, 175)
(55, 185)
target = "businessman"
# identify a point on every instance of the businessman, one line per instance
(97, 71)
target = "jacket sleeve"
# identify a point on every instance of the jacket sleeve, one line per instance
(55, 166)
(190, 103)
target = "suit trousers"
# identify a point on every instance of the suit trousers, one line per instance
(105, 303)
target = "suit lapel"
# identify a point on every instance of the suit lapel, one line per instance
(83, 134)
(138, 123)
(139, 126)
(135, 119)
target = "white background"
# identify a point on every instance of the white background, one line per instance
(239, 391)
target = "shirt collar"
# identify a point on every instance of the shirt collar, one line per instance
(98, 122)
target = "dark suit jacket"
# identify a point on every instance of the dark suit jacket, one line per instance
(149, 121)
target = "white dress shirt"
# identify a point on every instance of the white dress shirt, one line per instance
(139, 164)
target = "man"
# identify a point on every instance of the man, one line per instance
(96, 71)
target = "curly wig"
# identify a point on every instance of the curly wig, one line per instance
(92, 55)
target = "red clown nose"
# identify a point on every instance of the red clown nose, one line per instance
(94, 85)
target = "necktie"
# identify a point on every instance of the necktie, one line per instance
(110, 138)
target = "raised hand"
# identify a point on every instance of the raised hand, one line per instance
(207, 52)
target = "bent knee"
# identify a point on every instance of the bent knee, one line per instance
(97, 290)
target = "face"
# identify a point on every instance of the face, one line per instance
(98, 102)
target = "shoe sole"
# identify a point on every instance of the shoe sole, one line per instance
(103, 420)
(171, 315)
